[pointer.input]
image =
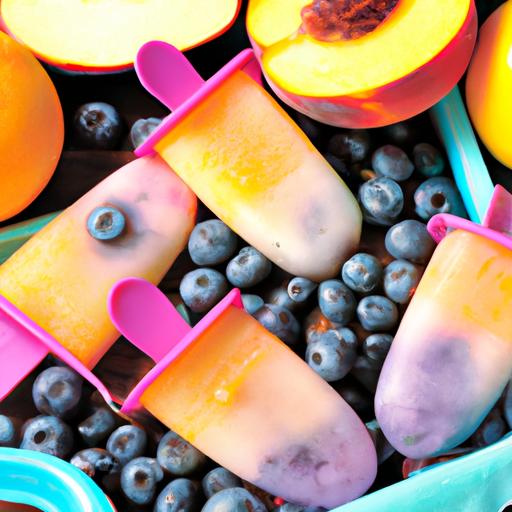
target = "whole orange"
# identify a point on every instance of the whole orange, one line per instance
(31, 127)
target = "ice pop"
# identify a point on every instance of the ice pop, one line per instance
(452, 355)
(243, 397)
(250, 164)
(61, 277)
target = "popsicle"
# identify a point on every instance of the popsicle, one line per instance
(452, 355)
(249, 163)
(61, 277)
(246, 400)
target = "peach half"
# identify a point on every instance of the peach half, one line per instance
(31, 127)
(362, 63)
(489, 84)
(104, 35)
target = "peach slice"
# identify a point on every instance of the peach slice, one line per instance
(362, 63)
(32, 127)
(489, 84)
(104, 35)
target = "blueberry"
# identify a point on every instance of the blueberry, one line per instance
(142, 129)
(127, 443)
(292, 507)
(211, 243)
(99, 464)
(106, 223)
(333, 354)
(97, 427)
(367, 371)
(428, 160)
(336, 301)
(410, 240)
(9, 431)
(376, 346)
(403, 134)
(279, 297)
(401, 279)
(248, 268)
(317, 324)
(218, 479)
(57, 391)
(139, 480)
(438, 195)
(382, 201)
(97, 126)
(252, 302)
(178, 456)
(362, 273)
(280, 322)
(236, 499)
(492, 429)
(356, 396)
(340, 166)
(300, 288)
(377, 313)
(392, 162)
(310, 127)
(181, 495)
(351, 145)
(47, 434)
(202, 288)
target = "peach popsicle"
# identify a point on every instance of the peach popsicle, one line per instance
(61, 277)
(452, 355)
(245, 399)
(251, 165)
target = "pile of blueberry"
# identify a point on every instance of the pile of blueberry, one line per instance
(342, 327)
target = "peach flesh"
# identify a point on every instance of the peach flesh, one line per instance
(335, 20)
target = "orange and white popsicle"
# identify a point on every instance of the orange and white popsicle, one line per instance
(452, 355)
(61, 277)
(250, 163)
(246, 400)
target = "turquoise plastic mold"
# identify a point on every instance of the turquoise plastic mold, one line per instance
(478, 482)
(471, 175)
(48, 483)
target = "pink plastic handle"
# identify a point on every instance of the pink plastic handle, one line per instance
(499, 211)
(496, 226)
(24, 344)
(167, 74)
(132, 402)
(146, 317)
(21, 350)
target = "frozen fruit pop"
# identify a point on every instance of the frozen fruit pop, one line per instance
(250, 163)
(452, 355)
(61, 277)
(246, 400)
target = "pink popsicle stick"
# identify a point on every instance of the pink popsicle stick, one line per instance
(146, 317)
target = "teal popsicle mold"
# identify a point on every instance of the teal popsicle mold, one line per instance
(48, 483)
(478, 482)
